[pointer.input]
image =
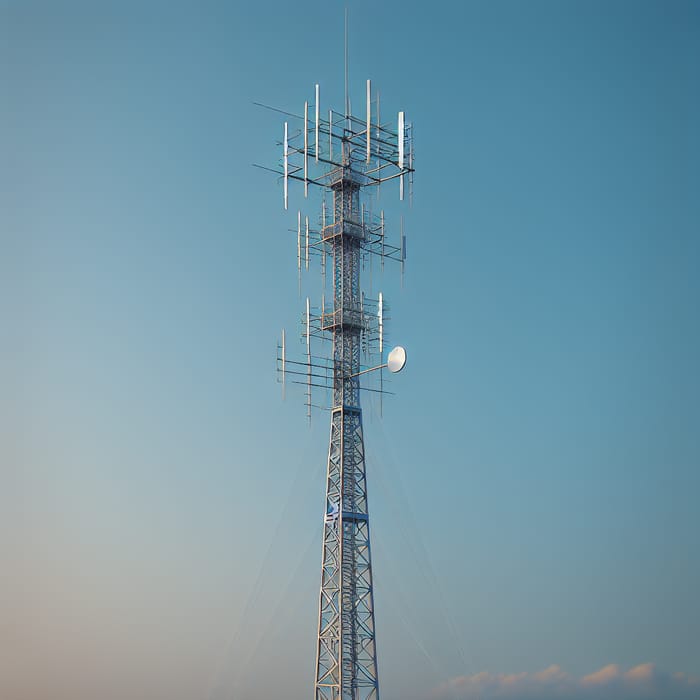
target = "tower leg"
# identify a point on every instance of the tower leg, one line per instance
(346, 659)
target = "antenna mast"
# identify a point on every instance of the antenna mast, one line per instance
(347, 93)
(351, 158)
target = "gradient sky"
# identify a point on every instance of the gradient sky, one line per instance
(534, 484)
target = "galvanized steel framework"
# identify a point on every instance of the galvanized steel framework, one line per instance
(346, 658)
(347, 155)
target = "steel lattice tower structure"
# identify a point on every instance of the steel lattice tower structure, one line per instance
(348, 156)
(346, 657)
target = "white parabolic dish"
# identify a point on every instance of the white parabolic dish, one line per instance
(396, 359)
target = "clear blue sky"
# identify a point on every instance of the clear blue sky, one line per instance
(534, 483)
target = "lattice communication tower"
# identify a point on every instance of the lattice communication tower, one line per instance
(345, 157)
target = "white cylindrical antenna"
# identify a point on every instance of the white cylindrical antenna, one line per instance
(369, 118)
(380, 315)
(286, 162)
(330, 134)
(306, 149)
(318, 107)
(307, 243)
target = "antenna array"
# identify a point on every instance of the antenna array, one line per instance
(342, 153)
(344, 157)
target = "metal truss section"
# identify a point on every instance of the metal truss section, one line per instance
(346, 665)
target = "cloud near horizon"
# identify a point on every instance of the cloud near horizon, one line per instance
(643, 682)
